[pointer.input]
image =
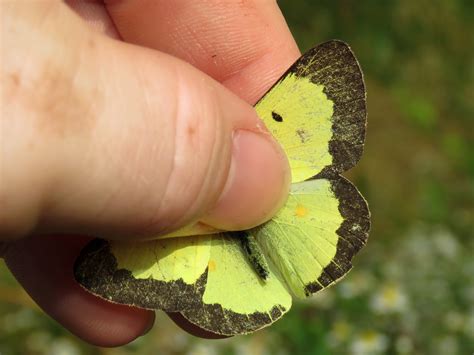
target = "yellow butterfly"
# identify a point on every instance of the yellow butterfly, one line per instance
(238, 282)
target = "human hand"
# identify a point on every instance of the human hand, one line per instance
(107, 138)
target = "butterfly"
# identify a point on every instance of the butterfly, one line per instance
(238, 282)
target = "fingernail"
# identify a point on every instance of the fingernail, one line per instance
(257, 184)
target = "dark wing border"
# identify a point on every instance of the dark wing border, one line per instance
(96, 270)
(353, 233)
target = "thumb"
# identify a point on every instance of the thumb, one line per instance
(106, 138)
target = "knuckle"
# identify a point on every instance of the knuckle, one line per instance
(199, 151)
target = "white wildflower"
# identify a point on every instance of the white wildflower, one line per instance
(64, 346)
(389, 299)
(446, 243)
(340, 333)
(203, 349)
(355, 284)
(369, 343)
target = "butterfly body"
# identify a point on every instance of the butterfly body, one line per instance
(254, 253)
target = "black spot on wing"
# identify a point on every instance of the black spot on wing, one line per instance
(96, 270)
(277, 117)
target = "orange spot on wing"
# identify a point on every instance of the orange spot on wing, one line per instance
(301, 211)
(211, 265)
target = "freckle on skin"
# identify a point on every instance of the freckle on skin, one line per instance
(192, 135)
(12, 84)
(62, 105)
(15, 79)
(91, 43)
(191, 130)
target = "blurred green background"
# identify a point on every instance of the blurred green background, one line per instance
(412, 288)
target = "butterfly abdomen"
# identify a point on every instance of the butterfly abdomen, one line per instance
(254, 254)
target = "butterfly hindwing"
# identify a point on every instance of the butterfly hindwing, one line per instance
(317, 111)
(207, 278)
(312, 239)
(309, 246)
(236, 299)
(167, 274)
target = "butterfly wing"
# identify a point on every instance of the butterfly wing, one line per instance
(168, 274)
(317, 111)
(206, 278)
(236, 300)
(313, 238)
(309, 245)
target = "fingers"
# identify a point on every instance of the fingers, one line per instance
(96, 16)
(114, 140)
(48, 279)
(246, 45)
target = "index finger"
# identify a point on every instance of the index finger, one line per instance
(246, 45)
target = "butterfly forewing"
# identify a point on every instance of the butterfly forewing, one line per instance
(317, 111)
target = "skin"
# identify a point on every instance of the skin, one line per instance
(103, 103)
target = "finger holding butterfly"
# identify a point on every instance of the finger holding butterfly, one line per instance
(249, 74)
(239, 282)
(245, 45)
